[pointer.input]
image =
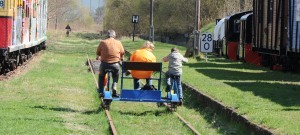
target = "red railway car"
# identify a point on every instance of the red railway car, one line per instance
(246, 54)
(23, 27)
(232, 34)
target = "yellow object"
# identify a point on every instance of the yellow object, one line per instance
(172, 91)
(142, 55)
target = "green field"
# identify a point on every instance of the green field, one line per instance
(57, 95)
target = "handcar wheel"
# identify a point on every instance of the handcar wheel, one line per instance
(106, 105)
(174, 107)
(159, 104)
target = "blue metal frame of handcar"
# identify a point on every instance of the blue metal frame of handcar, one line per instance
(142, 95)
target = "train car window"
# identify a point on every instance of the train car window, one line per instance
(236, 26)
(1, 3)
(270, 11)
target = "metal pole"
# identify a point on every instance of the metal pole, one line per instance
(151, 31)
(196, 29)
(133, 31)
(56, 15)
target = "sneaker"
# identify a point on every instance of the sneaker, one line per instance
(115, 94)
(168, 88)
(180, 102)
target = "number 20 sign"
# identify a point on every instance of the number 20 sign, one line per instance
(206, 42)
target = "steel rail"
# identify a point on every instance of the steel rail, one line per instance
(110, 120)
(114, 131)
(178, 115)
(181, 118)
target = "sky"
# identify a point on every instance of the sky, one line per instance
(94, 5)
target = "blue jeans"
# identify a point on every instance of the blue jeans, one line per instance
(136, 83)
(115, 67)
(175, 78)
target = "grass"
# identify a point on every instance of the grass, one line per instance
(57, 95)
(267, 98)
(209, 27)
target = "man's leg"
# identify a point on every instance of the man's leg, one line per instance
(168, 81)
(136, 83)
(178, 80)
(149, 81)
(101, 80)
(115, 75)
(180, 94)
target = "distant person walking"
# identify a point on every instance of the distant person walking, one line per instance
(68, 28)
(174, 72)
(144, 54)
(110, 51)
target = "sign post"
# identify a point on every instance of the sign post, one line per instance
(135, 20)
(206, 43)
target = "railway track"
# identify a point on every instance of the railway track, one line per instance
(94, 66)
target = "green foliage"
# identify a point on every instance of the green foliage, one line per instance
(171, 17)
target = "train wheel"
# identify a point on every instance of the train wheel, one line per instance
(1, 72)
(12, 66)
(18, 60)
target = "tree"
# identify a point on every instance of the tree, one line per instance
(171, 17)
(62, 12)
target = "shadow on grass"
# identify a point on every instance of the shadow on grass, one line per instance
(216, 119)
(61, 109)
(220, 63)
(154, 112)
(90, 36)
(283, 94)
(291, 109)
(46, 120)
(281, 87)
(230, 75)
